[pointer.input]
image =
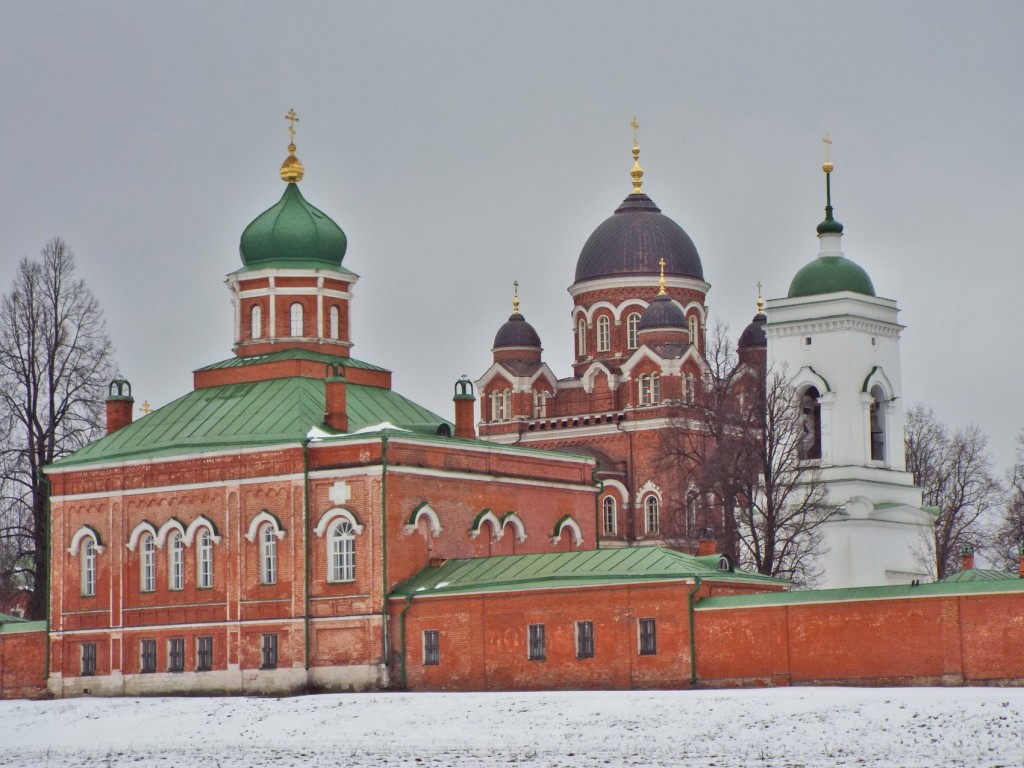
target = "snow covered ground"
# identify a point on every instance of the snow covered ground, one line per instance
(784, 727)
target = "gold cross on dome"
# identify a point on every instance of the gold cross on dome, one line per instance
(146, 408)
(760, 301)
(292, 120)
(828, 143)
(515, 297)
(636, 126)
(661, 280)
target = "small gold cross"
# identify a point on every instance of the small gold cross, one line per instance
(828, 143)
(292, 120)
(146, 408)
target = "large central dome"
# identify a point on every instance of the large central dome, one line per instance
(634, 240)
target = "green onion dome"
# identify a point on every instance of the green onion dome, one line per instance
(831, 274)
(292, 234)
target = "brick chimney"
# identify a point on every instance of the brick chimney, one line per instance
(966, 557)
(706, 544)
(119, 404)
(336, 408)
(465, 409)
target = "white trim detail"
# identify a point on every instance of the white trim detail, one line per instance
(330, 516)
(497, 530)
(572, 525)
(648, 488)
(511, 518)
(82, 533)
(427, 511)
(195, 525)
(144, 527)
(171, 525)
(260, 519)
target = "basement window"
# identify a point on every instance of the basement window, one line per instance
(648, 637)
(536, 640)
(431, 647)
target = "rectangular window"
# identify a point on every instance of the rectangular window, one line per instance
(269, 652)
(88, 659)
(584, 639)
(147, 652)
(431, 647)
(536, 636)
(648, 637)
(204, 654)
(176, 654)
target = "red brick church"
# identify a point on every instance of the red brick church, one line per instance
(293, 524)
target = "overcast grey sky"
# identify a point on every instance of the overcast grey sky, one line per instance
(462, 146)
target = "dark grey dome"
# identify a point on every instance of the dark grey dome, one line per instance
(634, 240)
(753, 335)
(662, 313)
(516, 333)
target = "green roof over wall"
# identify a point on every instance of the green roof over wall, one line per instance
(248, 415)
(510, 573)
(292, 353)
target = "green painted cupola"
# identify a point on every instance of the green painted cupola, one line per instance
(831, 272)
(292, 234)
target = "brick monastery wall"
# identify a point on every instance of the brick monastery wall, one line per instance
(22, 663)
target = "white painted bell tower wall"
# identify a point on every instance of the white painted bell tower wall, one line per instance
(846, 345)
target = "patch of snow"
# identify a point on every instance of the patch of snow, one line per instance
(783, 727)
(384, 425)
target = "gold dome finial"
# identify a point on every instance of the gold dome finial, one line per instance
(760, 301)
(515, 297)
(661, 280)
(636, 172)
(291, 169)
(827, 167)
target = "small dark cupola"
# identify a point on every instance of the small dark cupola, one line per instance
(663, 321)
(516, 339)
(119, 404)
(753, 344)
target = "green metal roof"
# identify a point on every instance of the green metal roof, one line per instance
(292, 234)
(12, 624)
(979, 574)
(900, 591)
(831, 274)
(247, 415)
(511, 573)
(293, 353)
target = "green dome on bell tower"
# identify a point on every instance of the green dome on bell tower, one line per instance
(292, 234)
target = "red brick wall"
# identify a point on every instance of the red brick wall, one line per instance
(966, 639)
(22, 664)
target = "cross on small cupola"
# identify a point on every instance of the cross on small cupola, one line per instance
(292, 170)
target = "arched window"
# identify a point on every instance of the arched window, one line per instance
(335, 322)
(176, 561)
(810, 410)
(581, 337)
(495, 406)
(604, 334)
(342, 544)
(204, 560)
(651, 514)
(689, 388)
(692, 322)
(268, 555)
(540, 404)
(506, 405)
(877, 423)
(255, 322)
(147, 563)
(691, 515)
(608, 515)
(296, 319)
(632, 330)
(88, 568)
(650, 389)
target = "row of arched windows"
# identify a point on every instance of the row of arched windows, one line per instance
(652, 514)
(604, 334)
(501, 404)
(296, 321)
(810, 410)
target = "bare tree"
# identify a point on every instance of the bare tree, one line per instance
(1009, 535)
(743, 454)
(55, 360)
(954, 471)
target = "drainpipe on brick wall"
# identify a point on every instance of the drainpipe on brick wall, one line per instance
(597, 504)
(384, 544)
(693, 632)
(401, 624)
(305, 539)
(44, 483)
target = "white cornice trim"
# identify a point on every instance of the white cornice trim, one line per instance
(255, 274)
(492, 478)
(837, 323)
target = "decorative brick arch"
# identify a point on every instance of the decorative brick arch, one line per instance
(423, 510)
(331, 516)
(486, 516)
(258, 520)
(85, 532)
(165, 530)
(193, 528)
(511, 518)
(567, 522)
(144, 527)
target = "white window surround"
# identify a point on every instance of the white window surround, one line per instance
(194, 527)
(165, 530)
(573, 526)
(647, 489)
(87, 576)
(256, 322)
(263, 517)
(176, 561)
(652, 514)
(335, 322)
(588, 313)
(328, 518)
(609, 513)
(604, 333)
(487, 517)
(144, 527)
(423, 510)
(511, 518)
(82, 533)
(296, 315)
(633, 330)
(341, 552)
